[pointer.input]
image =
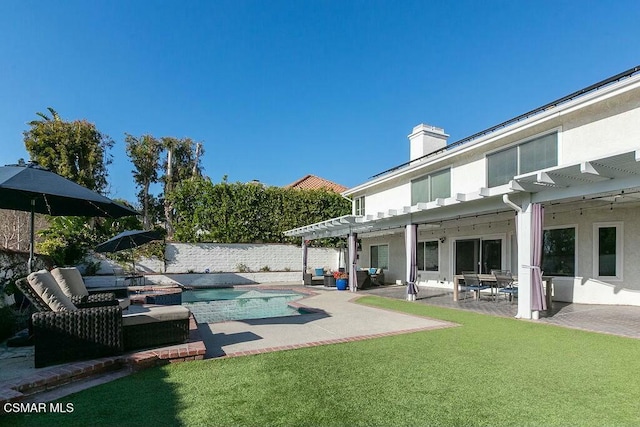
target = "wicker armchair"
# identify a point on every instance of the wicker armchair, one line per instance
(363, 279)
(87, 333)
(65, 336)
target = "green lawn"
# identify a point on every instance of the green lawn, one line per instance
(490, 371)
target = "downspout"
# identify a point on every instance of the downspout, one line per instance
(518, 209)
(507, 201)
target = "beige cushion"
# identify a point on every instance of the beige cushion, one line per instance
(140, 315)
(46, 286)
(70, 281)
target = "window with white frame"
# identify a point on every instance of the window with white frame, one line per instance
(359, 205)
(535, 154)
(427, 255)
(559, 252)
(607, 250)
(379, 256)
(430, 187)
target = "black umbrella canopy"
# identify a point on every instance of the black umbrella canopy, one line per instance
(127, 240)
(33, 188)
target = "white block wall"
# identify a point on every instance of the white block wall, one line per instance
(187, 264)
(197, 258)
(203, 279)
(228, 258)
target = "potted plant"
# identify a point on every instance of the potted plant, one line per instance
(341, 280)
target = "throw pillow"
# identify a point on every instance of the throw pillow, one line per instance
(46, 286)
(70, 281)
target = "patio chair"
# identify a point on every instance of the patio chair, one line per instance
(505, 285)
(377, 277)
(363, 279)
(64, 333)
(472, 283)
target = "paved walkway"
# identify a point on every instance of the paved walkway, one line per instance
(336, 319)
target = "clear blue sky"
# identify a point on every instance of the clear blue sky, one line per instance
(279, 89)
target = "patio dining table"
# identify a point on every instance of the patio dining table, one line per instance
(491, 280)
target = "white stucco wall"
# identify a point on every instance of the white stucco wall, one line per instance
(598, 130)
(397, 258)
(391, 198)
(468, 177)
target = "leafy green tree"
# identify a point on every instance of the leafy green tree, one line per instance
(182, 163)
(76, 150)
(144, 153)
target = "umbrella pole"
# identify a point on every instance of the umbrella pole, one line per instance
(32, 237)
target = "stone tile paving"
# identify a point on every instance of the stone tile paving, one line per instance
(610, 319)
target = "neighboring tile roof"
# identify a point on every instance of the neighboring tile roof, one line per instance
(312, 182)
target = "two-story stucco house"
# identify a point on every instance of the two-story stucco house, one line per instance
(472, 201)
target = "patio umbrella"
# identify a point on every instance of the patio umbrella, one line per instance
(128, 240)
(411, 237)
(32, 188)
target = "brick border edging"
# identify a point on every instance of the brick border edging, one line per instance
(17, 389)
(55, 376)
(334, 341)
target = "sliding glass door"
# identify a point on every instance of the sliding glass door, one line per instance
(491, 255)
(478, 255)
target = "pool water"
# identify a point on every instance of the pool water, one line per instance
(220, 305)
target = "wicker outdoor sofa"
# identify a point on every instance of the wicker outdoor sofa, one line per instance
(94, 325)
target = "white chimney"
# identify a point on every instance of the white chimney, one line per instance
(426, 139)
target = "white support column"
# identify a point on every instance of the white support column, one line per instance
(353, 262)
(304, 257)
(411, 233)
(524, 259)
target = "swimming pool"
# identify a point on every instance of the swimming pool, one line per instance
(224, 304)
